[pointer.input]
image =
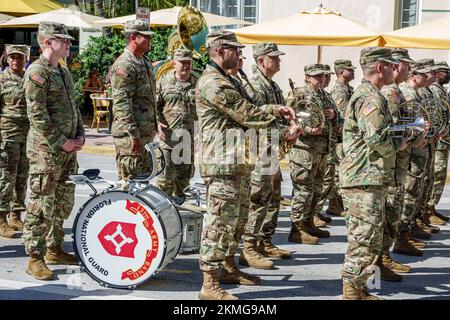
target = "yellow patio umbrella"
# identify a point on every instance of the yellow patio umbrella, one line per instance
(169, 17)
(321, 27)
(429, 35)
(26, 7)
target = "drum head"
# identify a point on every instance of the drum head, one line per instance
(119, 239)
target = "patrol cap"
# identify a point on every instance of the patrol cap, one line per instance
(53, 29)
(343, 64)
(314, 69)
(428, 63)
(222, 38)
(419, 68)
(376, 54)
(17, 48)
(182, 55)
(138, 26)
(443, 66)
(401, 54)
(327, 69)
(266, 48)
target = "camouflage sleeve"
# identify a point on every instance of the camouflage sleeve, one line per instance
(374, 124)
(393, 103)
(159, 103)
(256, 93)
(340, 99)
(35, 86)
(80, 125)
(123, 85)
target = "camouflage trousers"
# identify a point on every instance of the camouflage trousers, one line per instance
(440, 175)
(14, 166)
(307, 173)
(175, 177)
(130, 165)
(265, 199)
(364, 218)
(428, 183)
(330, 189)
(227, 201)
(51, 200)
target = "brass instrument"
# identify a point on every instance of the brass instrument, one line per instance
(436, 117)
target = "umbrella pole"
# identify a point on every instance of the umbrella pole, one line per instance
(319, 54)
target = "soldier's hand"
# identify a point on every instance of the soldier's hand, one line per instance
(81, 140)
(71, 145)
(316, 131)
(136, 146)
(330, 114)
(161, 127)
(404, 144)
(294, 132)
(286, 113)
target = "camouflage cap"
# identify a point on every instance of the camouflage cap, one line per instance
(17, 48)
(343, 64)
(59, 30)
(443, 66)
(401, 54)
(138, 26)
(376, 54)
(222, 37)
(327, 69)
(182, 55)
(419, 68)
(428, 63)
(267, 48)
(314, 69)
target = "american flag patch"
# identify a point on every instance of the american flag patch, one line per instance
(38, 79)
(368, 110)
(122, 72)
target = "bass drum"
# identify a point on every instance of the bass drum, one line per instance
(123, 239)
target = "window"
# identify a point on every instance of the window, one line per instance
(409, 13)
(239, 9)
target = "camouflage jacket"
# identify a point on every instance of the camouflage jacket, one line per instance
(175, 105)
(439, 93)
(51, 108)
(14, 123)
(341, 95)
(224, 114)
(301, 100)
(133, 90)
(264, 91)
(369, 150)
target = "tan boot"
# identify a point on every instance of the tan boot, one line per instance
(211, 289)
(230, 274)
(417, 232)
(365, 295)
(349, 292)
(416, 243)
(58, 256)
(14, 221)
(319, 223)
(440, 215)
(323, 218)
(38, 269)
(433, 217)
(252, 258)
(309, 227)
(424, 224)
(6, 230)
(394, 265)
(299, 236)
(335, 207)
(403, 246)
(387, 274)
(267, 249)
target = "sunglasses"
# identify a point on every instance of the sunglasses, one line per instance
(62, 40)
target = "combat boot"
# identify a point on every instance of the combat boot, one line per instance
(403, 246)
(440, 215)
(349, 292)
(365, 295)
(38, 269)
(433, 218)
(417, 232)
(423, 223)
(57, 255)
(267, 249)
(6, 230)
(319, 223)
(297, 235)
(323, 218)
(416, 243)
(14, 221)
(250, 257)
(394, 265)
(211, 289)
(309, 227)
(230, 274)
(335, 207)
(387, 274)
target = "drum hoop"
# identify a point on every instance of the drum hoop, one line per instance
(163, 227)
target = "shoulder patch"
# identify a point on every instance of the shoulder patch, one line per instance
(37, 79)
(121, 71)
(395, 96)
(368, 110)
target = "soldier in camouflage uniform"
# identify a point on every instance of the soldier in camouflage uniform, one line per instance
(265, 193)
(441, 154)
(366, 170)
(341, 94)
(14, 128)
(223, 114)
(133, 90)
(307, 159)
(56, 134)
(175, 109)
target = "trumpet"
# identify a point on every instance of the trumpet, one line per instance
(408, 130)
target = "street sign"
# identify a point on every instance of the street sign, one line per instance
(143, 14)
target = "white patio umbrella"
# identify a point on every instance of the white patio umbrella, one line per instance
(4, 17)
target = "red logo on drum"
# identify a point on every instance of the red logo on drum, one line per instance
(119, 239)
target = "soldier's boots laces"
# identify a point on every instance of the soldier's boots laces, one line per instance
(349, 292)
(211, 289)
(434, 218)
(416, 243)
(299, 236)
(6, 230)
(323, 218)
(402, 245)
(423, 224)
(38, 269)
(387, 274)
(57, 255)
(440, 215)
(417, 232)
(365, 295)
(311, 229)
(14, 221)
(230, 274)
(335, 207)
(426, 220)
(394, 265)
(267, 249)
(250, 257)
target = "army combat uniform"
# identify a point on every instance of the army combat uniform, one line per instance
(133, 91)
(14, 163)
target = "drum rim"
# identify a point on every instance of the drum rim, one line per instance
(163, 227)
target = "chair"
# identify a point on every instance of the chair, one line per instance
(101, 110)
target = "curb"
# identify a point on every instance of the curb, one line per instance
(98, 150)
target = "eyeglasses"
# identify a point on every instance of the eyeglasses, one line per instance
(232, 48)
(62, 40)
